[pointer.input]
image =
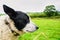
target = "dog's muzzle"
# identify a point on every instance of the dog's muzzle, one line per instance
(30, 27)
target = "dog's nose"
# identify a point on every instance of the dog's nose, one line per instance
(37, 27)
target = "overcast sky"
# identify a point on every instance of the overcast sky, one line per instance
(29, 5)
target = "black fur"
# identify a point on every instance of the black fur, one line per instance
(20, 18)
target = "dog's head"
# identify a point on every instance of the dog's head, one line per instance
(21, 20)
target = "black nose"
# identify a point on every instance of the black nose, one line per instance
(37, 27)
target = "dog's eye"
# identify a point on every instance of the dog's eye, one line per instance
(26, 21)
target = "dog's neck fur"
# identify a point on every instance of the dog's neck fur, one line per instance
(11, 26)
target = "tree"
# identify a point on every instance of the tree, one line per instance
(50, 10)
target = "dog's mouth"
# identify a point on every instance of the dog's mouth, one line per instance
(30, 31)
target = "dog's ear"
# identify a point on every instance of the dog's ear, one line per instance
(9, 11)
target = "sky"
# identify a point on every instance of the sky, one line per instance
(29, 5)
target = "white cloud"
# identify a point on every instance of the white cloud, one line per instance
(29, 5)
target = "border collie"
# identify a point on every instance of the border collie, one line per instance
(14, 23)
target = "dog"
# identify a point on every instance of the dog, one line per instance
(14, 23)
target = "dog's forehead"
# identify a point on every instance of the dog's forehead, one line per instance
(22, 15)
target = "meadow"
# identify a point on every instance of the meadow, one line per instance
(49, 29)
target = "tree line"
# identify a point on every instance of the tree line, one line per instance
(49, 11)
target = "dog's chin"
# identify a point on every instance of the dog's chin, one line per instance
(27, 31)
(30, 31)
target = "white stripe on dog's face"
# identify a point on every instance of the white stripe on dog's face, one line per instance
(30, 27)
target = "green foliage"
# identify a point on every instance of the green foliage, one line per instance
(36, 14)
(50, 10)
(41, 15)
(49, 29)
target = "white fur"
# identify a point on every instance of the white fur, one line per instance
(30, 27)
(5, 32)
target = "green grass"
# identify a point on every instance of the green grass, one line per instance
(49, 29)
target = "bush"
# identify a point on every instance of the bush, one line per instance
(34, 15)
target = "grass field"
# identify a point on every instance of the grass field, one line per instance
(49, 29)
